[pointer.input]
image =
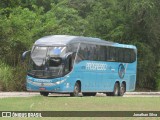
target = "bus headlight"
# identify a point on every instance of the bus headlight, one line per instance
(59, 82)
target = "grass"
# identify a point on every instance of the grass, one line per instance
(40, 103)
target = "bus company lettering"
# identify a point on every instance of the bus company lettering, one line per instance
(96, 66)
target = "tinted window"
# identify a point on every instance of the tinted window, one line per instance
(128, 55)
(133, 55)
(72, 47)
(105, 53)
(120, 55)
(101, 53)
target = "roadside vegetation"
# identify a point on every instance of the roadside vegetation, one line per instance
(123, 21)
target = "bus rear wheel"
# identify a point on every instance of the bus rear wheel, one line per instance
(89, 94)
(122, 89)
(44, 93)
(76, 90)
(116, 91)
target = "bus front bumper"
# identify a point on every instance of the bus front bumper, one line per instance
(48, 85)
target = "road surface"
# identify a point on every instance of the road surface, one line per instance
(30, 94)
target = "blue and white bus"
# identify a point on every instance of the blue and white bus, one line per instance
(75, 64)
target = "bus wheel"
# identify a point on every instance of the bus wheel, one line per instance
(116, 91)
(89, 94)
(122, 89)
(44, 93)
(76, 90)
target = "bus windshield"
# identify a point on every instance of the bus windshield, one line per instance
(38, 55)
(46, 61)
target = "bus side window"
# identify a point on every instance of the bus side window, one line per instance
(120, 55)
(133, 55)
(80, 54)
(126, 55)
(116, 54)
(99, 53)
(106, 53)
(94, 53)
(129, 55)
(102, 53)
(112, 54)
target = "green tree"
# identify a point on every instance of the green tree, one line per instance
(142, 26)
(66, 18)
(106, 21)
(18, 30)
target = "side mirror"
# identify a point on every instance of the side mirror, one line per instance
(24, 55)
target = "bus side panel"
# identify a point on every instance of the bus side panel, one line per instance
(95, 79)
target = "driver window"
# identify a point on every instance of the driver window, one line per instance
(69, 63)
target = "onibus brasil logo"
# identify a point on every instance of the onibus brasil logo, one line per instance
(121, 71)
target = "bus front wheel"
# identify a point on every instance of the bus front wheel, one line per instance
(76, 90)
(44, 93)
(116, 91)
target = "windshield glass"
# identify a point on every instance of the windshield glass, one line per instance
(46, 61)
(38, 55)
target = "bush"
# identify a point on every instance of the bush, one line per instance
(158, 79)
(19, 77)
(12, 79)
(6, 77)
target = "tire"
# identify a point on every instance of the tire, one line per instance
(76, 90)
(122, 89)
(116, 91)
(44, 93)
(89, 94)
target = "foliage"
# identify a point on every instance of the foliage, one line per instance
(5, 76)
(143, 28)
(18, 30)
(158, 79)
(12, 79)
(124, 21)
(145, 73)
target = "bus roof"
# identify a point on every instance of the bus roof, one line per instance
(62, 40)
(66, 39)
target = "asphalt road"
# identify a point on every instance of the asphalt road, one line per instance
(29, 94)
